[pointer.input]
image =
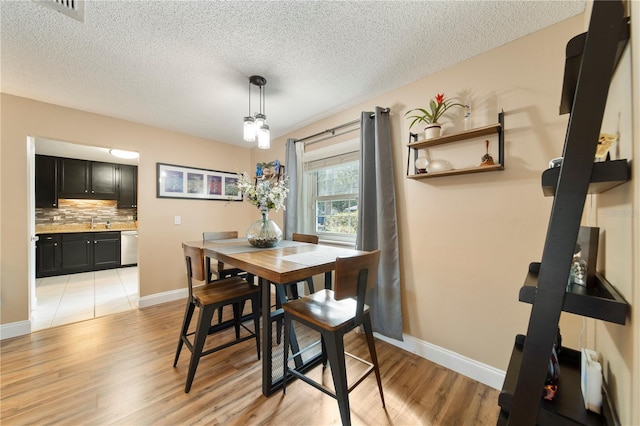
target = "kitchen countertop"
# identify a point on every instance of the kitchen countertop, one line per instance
(85, 227)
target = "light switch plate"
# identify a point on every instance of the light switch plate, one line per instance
(177, 220)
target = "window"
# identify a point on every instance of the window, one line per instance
(331, 179)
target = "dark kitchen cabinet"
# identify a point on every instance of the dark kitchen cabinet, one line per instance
(106, 250)
(87, 179)
(46, 181)
(127, 187)
(48, 255)
(77, 252)
(81, 252)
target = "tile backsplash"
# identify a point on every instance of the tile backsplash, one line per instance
(70, 212)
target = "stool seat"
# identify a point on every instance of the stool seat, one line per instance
(226, 290)
(323, 310)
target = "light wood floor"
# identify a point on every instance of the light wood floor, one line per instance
(118, 370)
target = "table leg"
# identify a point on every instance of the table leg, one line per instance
(327, 280)
(266, 336)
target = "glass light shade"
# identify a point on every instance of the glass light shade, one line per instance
(260, 120)
(249, 129)
(264, 138)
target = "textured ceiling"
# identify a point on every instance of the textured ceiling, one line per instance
(184, 65)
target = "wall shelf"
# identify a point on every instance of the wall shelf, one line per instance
(496, 128)
(601, 301)
(604, 176)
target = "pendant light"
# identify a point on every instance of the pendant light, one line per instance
(255, 125)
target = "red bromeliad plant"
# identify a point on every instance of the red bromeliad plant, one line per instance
(438, 106)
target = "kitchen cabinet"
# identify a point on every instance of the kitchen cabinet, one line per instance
(77, 252)
(66, 253)
(87, 179)
(48, 255)
(127, 186)
(106, 250)
(46, 181)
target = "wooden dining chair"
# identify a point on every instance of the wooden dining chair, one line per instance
(219, 269)
(289, 291)
(333, 313)
(233, 291)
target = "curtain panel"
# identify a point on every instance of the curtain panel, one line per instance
(377, 220)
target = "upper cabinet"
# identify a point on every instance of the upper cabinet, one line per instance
(87, 179)
(46, 181)
(127, 186)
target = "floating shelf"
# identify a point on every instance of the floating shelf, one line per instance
(492, 168)
(568, 405)
(601, 301)
(496, 128)
(455, 137)
(604, 176)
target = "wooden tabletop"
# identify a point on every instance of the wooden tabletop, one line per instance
(289, 261)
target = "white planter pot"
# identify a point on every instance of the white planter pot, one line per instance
(432, 131)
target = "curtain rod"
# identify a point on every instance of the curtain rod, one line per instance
(333, 130)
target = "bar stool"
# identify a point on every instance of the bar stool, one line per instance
(333, 314)
(228, 291)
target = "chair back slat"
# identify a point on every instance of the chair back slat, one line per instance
(305, 238)
(196, 260)
(348, 273)
(219, 235)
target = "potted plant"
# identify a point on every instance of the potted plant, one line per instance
(437, 107)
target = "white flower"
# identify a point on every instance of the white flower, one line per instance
(264, 193)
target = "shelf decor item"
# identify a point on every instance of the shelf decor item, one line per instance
(487, 159)
(266, 194)
(437, 107)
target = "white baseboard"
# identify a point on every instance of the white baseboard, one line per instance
(475, 370)
(167, 296)
(14, 329)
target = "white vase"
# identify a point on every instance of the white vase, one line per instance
(432, 130)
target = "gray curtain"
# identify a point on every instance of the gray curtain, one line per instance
(291, 169)
(377, 221)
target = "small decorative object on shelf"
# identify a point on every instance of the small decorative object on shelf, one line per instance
(487, 159)
(421, 164)
(439, 166)
(437, 107)
(266, 194)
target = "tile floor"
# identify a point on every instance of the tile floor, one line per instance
(71, 298)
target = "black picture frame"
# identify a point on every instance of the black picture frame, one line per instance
(192, 183)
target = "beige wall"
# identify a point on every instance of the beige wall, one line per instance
(160, 266)
(465, 241)
(617, 213)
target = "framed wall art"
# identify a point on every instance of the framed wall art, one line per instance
(175, 181)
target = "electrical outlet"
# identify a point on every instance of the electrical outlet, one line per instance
(57, 218)
(177, 220)
(129, 217)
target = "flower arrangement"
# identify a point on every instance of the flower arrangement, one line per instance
(264, 193)
(438, 106)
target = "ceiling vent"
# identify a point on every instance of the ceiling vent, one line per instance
(72, 8)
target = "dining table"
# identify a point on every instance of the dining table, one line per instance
(287, 262)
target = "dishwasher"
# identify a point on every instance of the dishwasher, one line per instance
(128, 248)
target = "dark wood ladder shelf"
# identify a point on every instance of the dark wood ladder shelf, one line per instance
(590, 63)
(601, 301)
(604, 176)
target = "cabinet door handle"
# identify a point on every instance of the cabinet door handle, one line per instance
(95, 242)
(55, 244)
(86, 190)
(88, 242)
(93, 192)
